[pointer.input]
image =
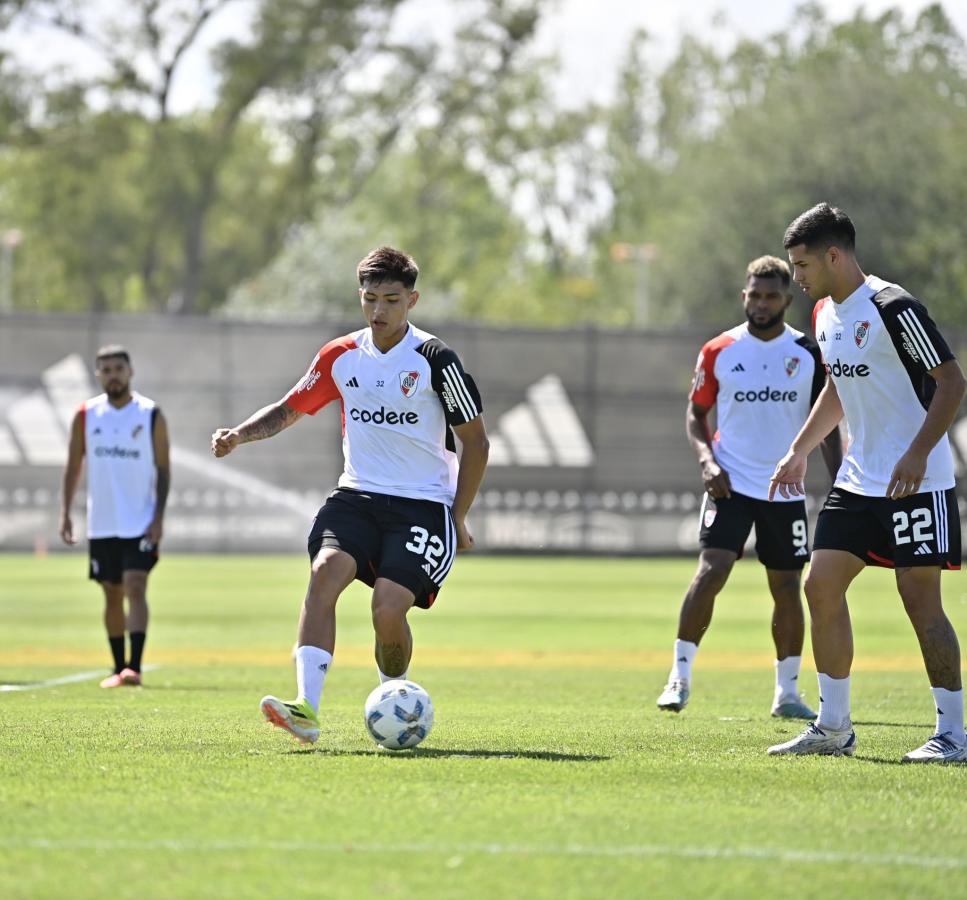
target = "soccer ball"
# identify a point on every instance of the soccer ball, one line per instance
(398, 714)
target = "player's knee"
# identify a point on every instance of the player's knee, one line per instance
(388, 613)
(821, 595)
(330, 575)
(713, 573)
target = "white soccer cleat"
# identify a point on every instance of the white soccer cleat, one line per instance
(818, 741)
(939, 749)
(792, 707)
(675, 695)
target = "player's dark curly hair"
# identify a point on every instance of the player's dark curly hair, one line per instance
(769, 267)
(386, 264)
(821, 227)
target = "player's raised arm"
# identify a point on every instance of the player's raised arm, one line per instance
(72, 477)
(265, 423)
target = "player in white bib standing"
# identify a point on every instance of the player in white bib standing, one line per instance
(763, 376)
(398, 515)
(893, 377)
(124, 437)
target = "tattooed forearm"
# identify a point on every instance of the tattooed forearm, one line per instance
(268, 421)
(391, 659)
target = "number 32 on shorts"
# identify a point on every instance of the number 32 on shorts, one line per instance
(430, 547)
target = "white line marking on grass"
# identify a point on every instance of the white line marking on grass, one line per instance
(64, 679)
(768, 854)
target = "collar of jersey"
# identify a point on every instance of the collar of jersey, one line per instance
(379, 354)
(869, 288)
(786, 328)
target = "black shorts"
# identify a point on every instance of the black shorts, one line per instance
(111, 557)
(919, 530)
(410, 542)
(781, 532)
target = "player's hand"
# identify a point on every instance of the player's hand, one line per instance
(907, 475)
(224, 441)
(789, 476)
(67, 530)
(154, 531)
(716, 480)
(464, 537)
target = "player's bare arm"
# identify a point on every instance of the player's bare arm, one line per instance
(162, 461)
(832, 451)
(714, 477)
(265, 423)
(473, 462)
(72, 477)
(790, 473)
(910, 468)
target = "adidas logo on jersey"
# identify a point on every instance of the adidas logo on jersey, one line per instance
(352, 382)
(802, 551)
(544, 430)
(922, 550)
(738, 368)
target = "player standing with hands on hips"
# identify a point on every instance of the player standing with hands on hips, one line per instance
(760, 372)
(398, 515)
(125, 439)
(892, 375)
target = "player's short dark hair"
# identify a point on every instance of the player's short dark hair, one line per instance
(769, 267)
(387, 264)
(821, 227)
(110, 351)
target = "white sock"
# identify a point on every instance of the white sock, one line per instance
(682, 666)
(833, 703)
(311, 666)
(383, 677)
(787, 677)
(950, 713)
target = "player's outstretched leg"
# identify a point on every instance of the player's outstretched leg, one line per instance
(332, 572)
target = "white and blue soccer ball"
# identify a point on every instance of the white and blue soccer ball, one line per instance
(398, 714)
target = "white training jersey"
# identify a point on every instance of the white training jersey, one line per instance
(878, 346)
(763, 391)
(121, 470)
(397, 411)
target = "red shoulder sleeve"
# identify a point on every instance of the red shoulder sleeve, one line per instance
(705, 386)
(316, 388)
(819, 305)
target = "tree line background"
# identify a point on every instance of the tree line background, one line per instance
(327, 136)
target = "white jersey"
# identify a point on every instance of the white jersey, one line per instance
(763, 391)
(877, 346)
(397, 410)
(121, 469)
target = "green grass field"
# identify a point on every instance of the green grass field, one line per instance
(549, 773)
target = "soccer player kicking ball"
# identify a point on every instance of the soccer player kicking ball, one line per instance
(398, 515)
(763, 376)
(893, 376)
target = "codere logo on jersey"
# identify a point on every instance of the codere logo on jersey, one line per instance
(767, 394)
(840, 369)
(383, 416)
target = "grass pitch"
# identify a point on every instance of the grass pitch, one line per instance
(549, 773)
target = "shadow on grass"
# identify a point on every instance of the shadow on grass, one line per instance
(439, 753)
